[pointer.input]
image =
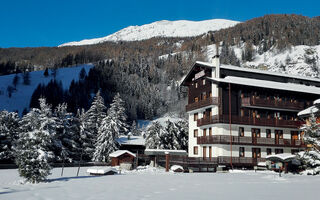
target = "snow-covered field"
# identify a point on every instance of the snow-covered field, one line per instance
(156, 184)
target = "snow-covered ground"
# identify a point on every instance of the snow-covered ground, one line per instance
(164, 28)
(156, 184)
(299, 60)
(20, 99)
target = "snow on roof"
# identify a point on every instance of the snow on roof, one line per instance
(101, 170)
(134, 140)
(121, 152)
(268, 84)
(244, 69)
(281, 157)
(316, 102)
(164, 151)
(308, 111)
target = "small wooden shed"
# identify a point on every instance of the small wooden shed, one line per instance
(122, 156)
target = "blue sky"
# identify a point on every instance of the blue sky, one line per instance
(33, 23)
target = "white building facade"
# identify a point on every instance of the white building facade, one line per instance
(239, 115)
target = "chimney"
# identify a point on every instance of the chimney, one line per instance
(129, 135)
(216, 63)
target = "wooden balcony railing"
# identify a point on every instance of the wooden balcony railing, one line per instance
(272, 103)
(202, 103)
(249, 121)
(225, 160)
(204, 162)
(237, 140)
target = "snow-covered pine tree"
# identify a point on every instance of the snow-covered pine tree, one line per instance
(90, 123)
(113, 125)
(134, 130)
(34, 144)
(181, 136)
(312, 131)
(8, 134)
(67, 133)
(106, 140)
(87, 137)
(168, 135)
(118, 113)
(96, 113)
(311, 136)
(153, 136)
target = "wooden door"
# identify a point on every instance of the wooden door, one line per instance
(204, 153)
(294, 137)
(277, 136)
(254, 136)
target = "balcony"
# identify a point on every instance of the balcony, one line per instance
(202, 103)
(236, 140)
(272, 103)
(245, 120)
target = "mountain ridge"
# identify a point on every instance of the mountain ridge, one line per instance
(163, 28)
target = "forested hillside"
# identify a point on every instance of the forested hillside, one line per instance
(147, 72)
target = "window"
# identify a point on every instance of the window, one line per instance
(241, 151)
(204, 132)
(203, 81)
(195, 117)
(278, 151)
(269, 151)
(279, 134)
(241, 131)
(196, 99)
(195, 133)
(196, 85)
(210, 131)
(204, 95)
(255, 132)
(268, 133)
(210, 94)
(195, 150)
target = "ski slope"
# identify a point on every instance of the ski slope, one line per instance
(20, 98)
(164, 28)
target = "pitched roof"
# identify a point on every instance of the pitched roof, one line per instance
(121, 152)
(164, 151)
(308, 111)
(267, 84)
(134, 140)
(244, 69)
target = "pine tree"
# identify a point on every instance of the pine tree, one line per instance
(168, 135)
(134, 130)
(8, 134)
(153, 136)
(312, 131)
(181, 136)
(46, 72)
(311, 136)
(106, 140)
(118, 112)
(33, 146)
(67, 131)
(113, 125)
(87, 138)
(96, 113)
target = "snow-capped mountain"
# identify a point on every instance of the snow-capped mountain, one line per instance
(164, 28)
